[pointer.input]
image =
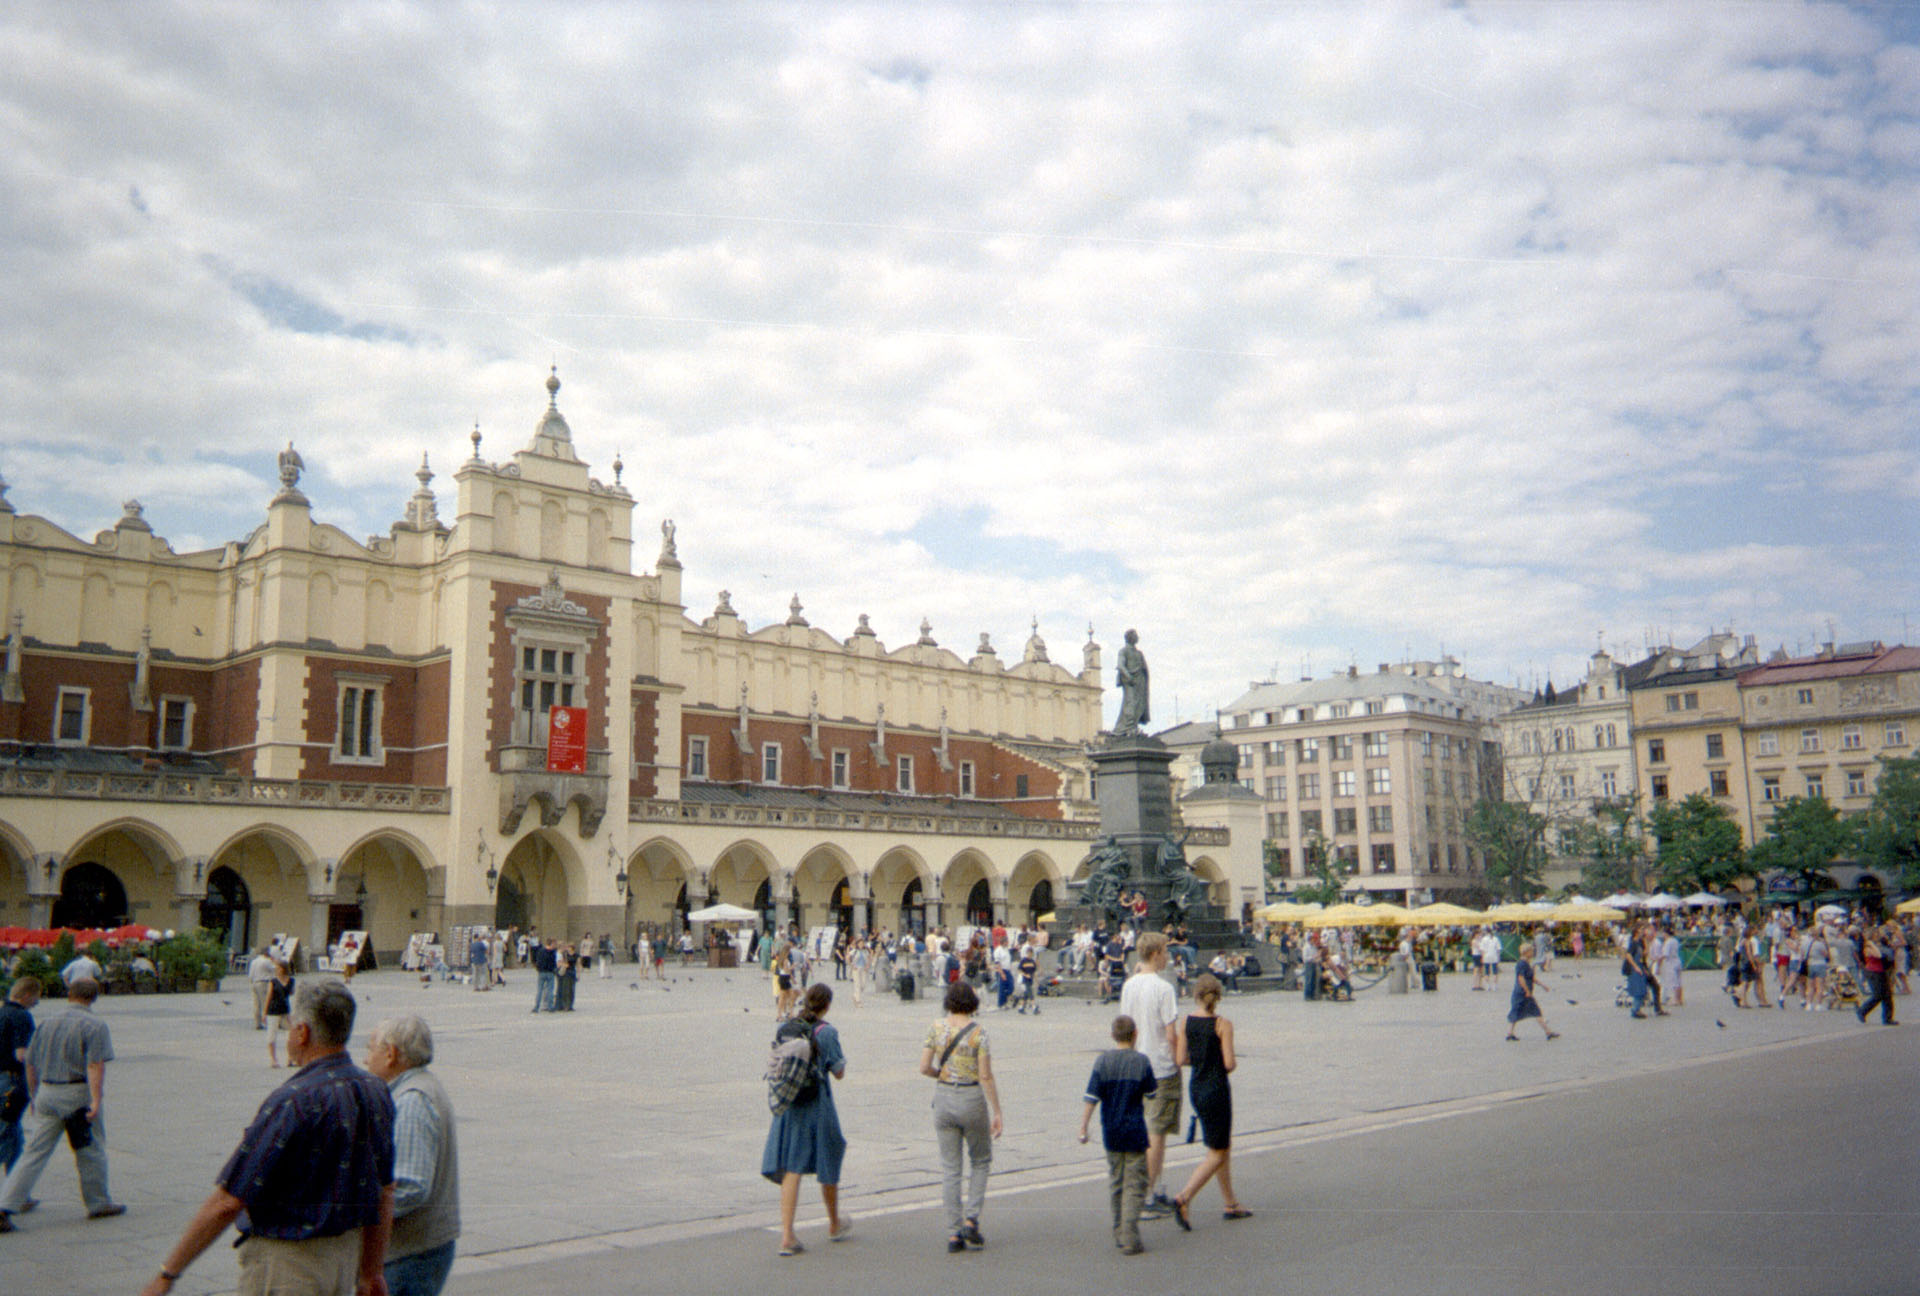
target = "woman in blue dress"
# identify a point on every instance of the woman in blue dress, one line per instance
(806, 1138)
(1524, 1004)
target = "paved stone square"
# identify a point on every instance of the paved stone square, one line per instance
(639, 1118)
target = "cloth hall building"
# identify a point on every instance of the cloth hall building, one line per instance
(302, 732)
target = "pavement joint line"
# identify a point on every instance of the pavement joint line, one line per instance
(1038, 1178)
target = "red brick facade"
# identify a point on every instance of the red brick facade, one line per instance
(413, 715)
(997, 770)
(226, 704)
(646, 742)
(597, 696)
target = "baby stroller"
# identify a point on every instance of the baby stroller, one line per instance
(1843, 991)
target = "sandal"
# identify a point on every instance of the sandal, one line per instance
(792, 1249)
(1180, 1215)
(1553, 1035)
(1236, 1213)
(842, 1233)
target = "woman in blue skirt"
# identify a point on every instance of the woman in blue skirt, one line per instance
(806, 1138)
(1524, 1004)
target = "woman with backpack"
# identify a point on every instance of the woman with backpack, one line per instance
(966, 1110)
(805, 1138)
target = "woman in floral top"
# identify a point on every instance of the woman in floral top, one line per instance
(966, 1110)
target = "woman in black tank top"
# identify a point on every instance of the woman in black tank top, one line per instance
(1204, 1042)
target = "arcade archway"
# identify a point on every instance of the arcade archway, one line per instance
(125, 873)
(534, 890)
(381, 885)
(1031, 890)
(91, 895)
(898, 886)
(821, 890)
(967, 890)
(257, 888)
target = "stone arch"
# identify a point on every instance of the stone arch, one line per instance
(141, 857)
(660, 880)
(823, 888)
(277, 870)
(1219, 885)
(900, 886)
(960, 888)
(506, 520)
(738, 872)
(1035, 887)
(96, 609)
(91, 895)
(16, 858)
(320, 602)
(382, 884)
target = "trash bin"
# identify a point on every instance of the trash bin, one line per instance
(1429, 976)
(905, 986)
(1397, 973)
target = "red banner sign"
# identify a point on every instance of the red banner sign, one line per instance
(567, 740)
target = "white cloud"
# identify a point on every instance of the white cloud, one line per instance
(1344, 330)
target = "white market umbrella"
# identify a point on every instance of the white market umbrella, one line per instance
(1623, 900)
(1703, 898)
(723, 913)
(1664, 901)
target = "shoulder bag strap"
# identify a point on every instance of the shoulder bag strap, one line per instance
(954, 1043)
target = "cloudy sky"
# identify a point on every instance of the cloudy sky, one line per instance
(1294, 335)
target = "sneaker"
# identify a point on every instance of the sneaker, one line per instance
(1132, 1248)
(106, 1212)
(970, 1231)
(6, 1222)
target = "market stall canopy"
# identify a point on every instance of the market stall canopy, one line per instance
(723, 913)
(1287, 911)
(1443, 915)
(1908, 906)
(1354, 915)
(1699, 898)
(1516, 913)
(1588, 913)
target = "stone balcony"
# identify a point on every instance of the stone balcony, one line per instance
(220, 790)
(891, 819)
(525, 779)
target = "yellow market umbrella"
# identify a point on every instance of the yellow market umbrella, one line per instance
(1443, 915)
(1044, 919)
(1287, 911)
(1908, 906)
(1353, 915)
(1586, 913)
(1517, 913)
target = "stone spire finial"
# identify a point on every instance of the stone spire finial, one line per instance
(4, 506)
(1036, 646)
(669, 549)
(132, 517)
(423, 512)
(475, 438)
(793, 613)
(725, 606)
(926, 639)
(11, 689)
(618, 467)
(553, 385)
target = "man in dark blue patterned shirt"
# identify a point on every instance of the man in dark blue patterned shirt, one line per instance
(313, 1175)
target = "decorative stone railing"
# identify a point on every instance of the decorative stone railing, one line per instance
(222, 789)
(903, 820)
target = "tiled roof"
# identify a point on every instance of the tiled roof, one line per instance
(1898, 658)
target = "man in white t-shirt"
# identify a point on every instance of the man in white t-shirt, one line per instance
(1149, 1000)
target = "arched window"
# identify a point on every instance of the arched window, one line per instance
(1610, 737)
(228, 909)
(980, 904)
(1556, 740)
(90, 896)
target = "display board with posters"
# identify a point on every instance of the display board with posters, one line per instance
(345, 955)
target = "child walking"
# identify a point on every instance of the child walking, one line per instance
(1121, 1080)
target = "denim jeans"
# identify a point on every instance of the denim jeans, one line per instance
(543, 994)
(421, 1274)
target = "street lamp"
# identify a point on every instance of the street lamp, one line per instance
(484, 856)
(620, 876)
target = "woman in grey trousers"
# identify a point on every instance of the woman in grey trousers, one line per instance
(966, 1110)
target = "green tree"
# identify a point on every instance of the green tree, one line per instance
(1890, 829)
(1614, 842)
(1806, 835)
(1699, 844)
(1513, 840)
(1327, 872)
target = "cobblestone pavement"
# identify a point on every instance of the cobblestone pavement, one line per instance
(640, 1117)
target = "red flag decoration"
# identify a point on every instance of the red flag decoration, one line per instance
(567, 740)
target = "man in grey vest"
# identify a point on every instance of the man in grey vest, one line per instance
(426, 1167)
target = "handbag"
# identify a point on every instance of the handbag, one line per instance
(953, 1044)
(79, 1130)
